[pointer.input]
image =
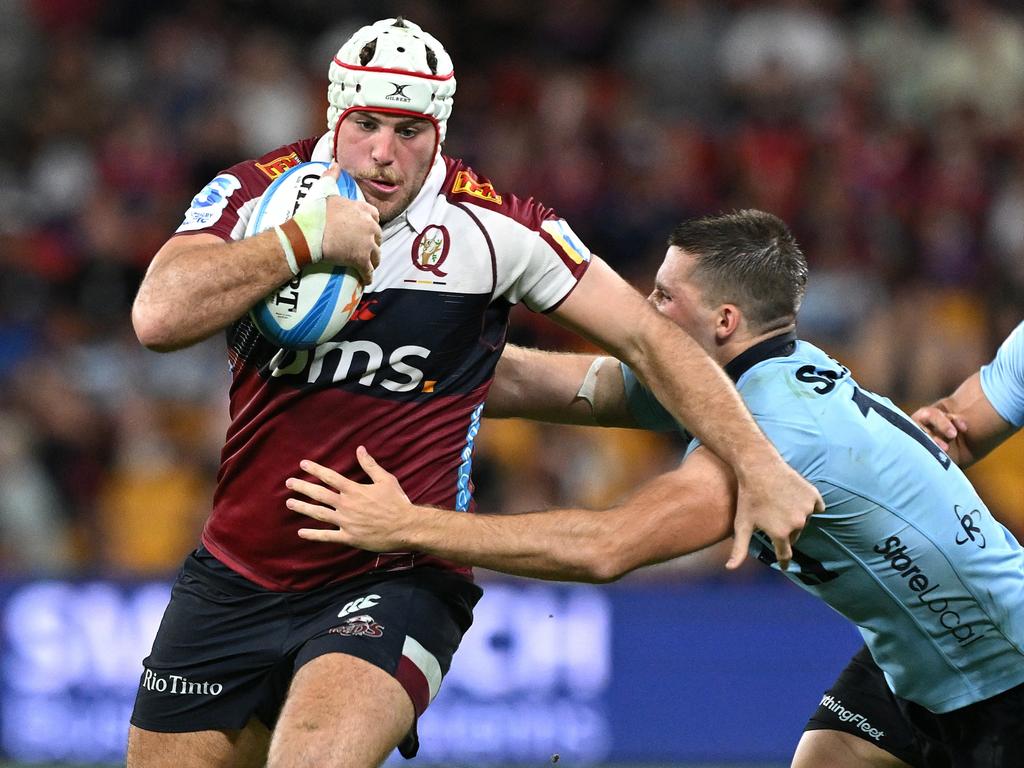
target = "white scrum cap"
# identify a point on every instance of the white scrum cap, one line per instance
(392, 66)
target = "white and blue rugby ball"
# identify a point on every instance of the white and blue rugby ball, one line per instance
(315, 305)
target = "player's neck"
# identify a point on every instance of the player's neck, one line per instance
(740, 343)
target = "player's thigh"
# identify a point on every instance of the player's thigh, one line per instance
(245, 748)
(837, 749)
(341, 711)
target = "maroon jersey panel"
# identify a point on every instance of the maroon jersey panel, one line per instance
(410, 392)
(216, 209)
(422, 444)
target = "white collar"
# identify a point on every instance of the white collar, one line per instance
(322, 150)
(417, 215)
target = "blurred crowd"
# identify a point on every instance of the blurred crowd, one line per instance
(889, 134)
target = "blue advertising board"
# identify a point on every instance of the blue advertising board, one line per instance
(634, 672)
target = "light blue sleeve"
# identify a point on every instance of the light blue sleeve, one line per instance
(644, 407)
(1002, 380)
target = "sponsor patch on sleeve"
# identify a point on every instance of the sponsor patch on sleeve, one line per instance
(210, 203)
(274, 168)
(560, 232)
(470, 186)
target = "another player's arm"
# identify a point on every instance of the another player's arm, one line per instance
(559, 387)
(197, 284)
(696, 391)
(676, 513)
(964, 424)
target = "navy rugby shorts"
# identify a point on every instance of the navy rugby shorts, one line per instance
(227, 648)
(986, 734)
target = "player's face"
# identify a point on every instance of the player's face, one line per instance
(680, 300)
(389, 156)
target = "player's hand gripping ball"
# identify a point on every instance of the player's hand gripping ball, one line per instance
(314, 305)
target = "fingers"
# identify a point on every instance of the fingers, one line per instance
(783, 552)
(317, 512)
(313, 491)
(939, 424)
(327, 475)
(330, 535)
(740, 544)
(367, 271)
(373, 470)
(327, 184)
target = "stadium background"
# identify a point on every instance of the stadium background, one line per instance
(889, 134)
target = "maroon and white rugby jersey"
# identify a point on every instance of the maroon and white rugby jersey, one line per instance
(406, 377)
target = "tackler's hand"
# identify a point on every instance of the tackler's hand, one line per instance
(370, 516)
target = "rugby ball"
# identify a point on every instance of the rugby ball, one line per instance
(314, 305)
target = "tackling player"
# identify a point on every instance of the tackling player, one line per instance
(985, 410)
(905, 548)
(338, 650)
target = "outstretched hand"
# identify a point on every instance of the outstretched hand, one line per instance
(369, 516)
(776, 500)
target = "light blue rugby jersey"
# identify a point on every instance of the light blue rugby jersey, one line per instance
(905, 548)
(1002, 380)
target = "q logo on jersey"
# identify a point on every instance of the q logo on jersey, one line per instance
(560, 232)
(430, 249)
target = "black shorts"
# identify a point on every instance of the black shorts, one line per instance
(227, 648)
(860, 703)
(987, 734)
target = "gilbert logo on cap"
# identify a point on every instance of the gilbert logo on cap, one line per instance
(399, 93)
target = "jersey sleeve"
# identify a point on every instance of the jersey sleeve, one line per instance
(223, 206)
(1002, 380)
(552, 262)
(536, 257)
(644, 406)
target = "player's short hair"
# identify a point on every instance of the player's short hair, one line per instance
(748, 258)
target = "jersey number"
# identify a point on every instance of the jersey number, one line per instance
(867, 404)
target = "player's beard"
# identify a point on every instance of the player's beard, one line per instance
(391, 207)
(390, 210)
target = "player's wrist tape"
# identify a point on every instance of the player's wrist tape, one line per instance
(589, 386)
(302, 236)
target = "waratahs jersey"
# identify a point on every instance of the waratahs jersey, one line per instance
(1002, 380)
(406, 377)
(905, 547)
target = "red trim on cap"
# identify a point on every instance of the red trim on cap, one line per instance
(388, 71)
(415, 684)
(387, 111)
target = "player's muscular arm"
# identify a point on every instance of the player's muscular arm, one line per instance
(198, 284)
(676, 513)
(558, 387)
(772, 496)
(964, 425)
